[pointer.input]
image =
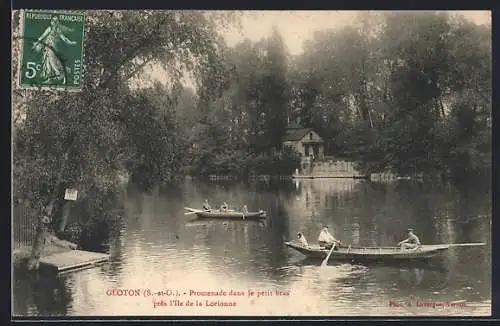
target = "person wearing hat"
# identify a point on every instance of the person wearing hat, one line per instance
(412, 242)
(326, 240)
(302, 239)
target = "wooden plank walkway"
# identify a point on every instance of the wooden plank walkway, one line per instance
(71, 260)
(329, 176)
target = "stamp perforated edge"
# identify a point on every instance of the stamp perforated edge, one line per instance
(21, 49)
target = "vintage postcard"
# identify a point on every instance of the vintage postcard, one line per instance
(251, 163)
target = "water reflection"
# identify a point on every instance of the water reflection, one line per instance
(39, 295)
(159, 247)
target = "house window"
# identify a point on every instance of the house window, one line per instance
(310, 135)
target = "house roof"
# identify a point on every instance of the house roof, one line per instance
(296, 132)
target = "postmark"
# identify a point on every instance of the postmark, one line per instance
(52, 45)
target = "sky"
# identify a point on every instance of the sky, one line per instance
(297, 27)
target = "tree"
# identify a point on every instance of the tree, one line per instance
(274, 88)
(388, 91)
(82, 139)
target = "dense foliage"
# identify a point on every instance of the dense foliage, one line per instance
(407, 92)
(89, 140)
(403, 92)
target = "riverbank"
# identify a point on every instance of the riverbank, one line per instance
(21, 254)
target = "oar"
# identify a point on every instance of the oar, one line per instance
(467, 244)
(194, 212)
(451, 245)
(325, 261)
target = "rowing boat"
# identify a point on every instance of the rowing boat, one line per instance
(230, 214)
(376, 253)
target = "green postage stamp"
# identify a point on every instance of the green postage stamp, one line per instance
(52, 50)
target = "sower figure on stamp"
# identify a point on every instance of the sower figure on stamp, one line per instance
(47, 45)
(412, 242)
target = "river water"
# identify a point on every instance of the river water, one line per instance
(160, 249)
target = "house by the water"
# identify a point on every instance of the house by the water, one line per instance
(315, 164)
(311, 147)
(304, 140)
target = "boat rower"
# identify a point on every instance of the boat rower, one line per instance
(245, 209)
(206, 205)
(412, 242)
(302, 239)
(224, 207)
(326, 240)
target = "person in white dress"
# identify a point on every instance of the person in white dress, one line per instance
(326, 240)
(302, 239)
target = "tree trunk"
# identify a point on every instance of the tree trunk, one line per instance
(441, 106)
(41, 237)
(45, 219)
(370, 117)
(45, 236)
